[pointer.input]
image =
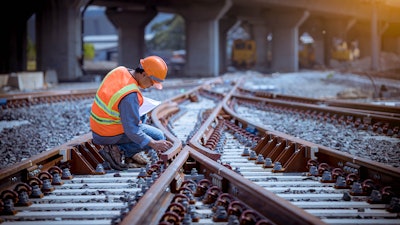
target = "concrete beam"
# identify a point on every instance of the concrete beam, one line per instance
(13, 41)
(225, 24)
(130, 25)
(202, 36)
(375, 43)
(359, 9)
(59, 38)
(285, 35)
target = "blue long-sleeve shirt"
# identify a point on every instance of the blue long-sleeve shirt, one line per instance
(130, 118)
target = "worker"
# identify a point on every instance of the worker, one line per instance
(114, 118)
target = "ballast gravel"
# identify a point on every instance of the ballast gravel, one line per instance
(25, 132)
(359, 143)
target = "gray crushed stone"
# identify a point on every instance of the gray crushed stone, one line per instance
(29, 131)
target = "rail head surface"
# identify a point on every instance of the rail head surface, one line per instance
(149, 208)
(163, 111)
(161, 114)
(200, 137)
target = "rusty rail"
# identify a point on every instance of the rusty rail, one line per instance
(199, 161)
(392, 111)
(386, 124)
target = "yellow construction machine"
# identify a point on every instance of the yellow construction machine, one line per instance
(306, 55)
(243, 53)
(342, 52)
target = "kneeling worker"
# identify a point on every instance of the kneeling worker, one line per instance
(115, 121)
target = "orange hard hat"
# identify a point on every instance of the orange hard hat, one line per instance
(156, 69)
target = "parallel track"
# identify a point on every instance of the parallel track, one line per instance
(218, 159)
(381, 119)
(373, 108)
(34, 98)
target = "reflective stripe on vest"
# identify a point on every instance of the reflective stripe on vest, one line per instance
(108, 108)
(104, 116)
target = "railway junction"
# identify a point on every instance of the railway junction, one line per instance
(228, 154)
(277, 145)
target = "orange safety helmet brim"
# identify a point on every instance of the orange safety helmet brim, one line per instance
(156, 68)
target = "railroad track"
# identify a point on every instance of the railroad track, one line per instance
(221, 169)
(381, 119)
(311, 176)
(18, 100)
(374, 108)
(34, 98)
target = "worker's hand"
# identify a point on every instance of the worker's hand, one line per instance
(161, 145)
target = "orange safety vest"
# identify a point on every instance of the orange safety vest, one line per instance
(104, 117)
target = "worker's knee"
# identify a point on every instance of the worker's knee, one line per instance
(153, 132)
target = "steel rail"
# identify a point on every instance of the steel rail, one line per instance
(383, 110)
(270, 205)
(356, 117)
(17, 100)
(153, 203)
(389, 176)
(27, 99)
(295, 154)
(202, 153)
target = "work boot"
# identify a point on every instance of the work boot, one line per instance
(139, 159)
(115, 154)
(133, 164)
(108, 160)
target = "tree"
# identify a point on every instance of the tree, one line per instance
(168, 35)
(30, 55)
(88, 51)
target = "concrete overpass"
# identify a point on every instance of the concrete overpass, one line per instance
(375, 23)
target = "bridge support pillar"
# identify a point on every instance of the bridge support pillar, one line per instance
(202, 37)
(391, 43)
(224, 25)
(13, 38)
(260, 37)
(285, 37)
(130, 25)
(257, 18)
(375, 39)
(58, 34)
